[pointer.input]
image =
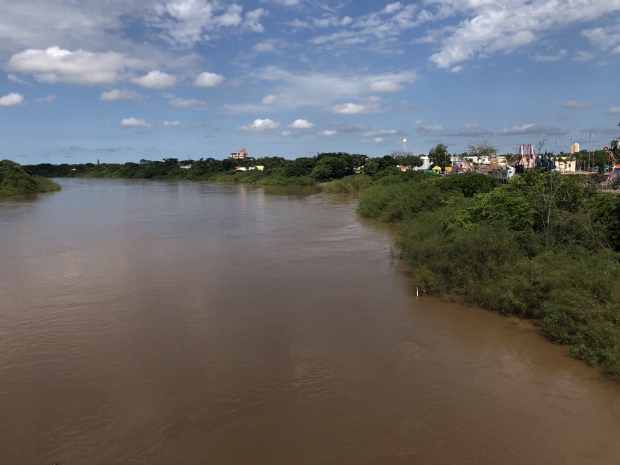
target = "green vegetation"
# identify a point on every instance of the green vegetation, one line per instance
(545, 247)
(277, 171)
(15, 179)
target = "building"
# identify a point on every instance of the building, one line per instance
(240, 155)
(574, 148)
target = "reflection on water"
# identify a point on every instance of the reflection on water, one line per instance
(173, 322)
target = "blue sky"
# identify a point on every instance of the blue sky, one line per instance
(125, 80)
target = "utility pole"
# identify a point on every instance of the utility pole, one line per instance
(589, 151)
(555, 144)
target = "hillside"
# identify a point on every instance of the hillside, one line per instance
(15, 179)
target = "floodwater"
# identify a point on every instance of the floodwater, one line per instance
(156, 322)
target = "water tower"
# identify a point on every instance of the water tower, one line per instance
(404, 145)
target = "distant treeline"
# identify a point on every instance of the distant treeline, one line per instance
(15, 179)
(544, 247)
(276, 170)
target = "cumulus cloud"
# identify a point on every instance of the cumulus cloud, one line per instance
(117, 95)
(346, 127)
(582, 56)
(613, 111)
(252, 20)
(300, 124)
(574, 104)
(260, 125)
(561, 54)
(54, 65)
(328, 133)
(262, 47)
(286, 133)
(269, 99)
(186, 103)
(533, 129)
(372, 105)
(156, 80)
(392, 8)
(383, 132)
(11, 99)
(298, 24)
(207, 79)
(425, 130)
(134, 123)
(48, 99)
(16, 79)
(604, 37)
(376, 140)
(171, 123)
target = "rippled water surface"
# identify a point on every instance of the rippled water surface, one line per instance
(155, 322)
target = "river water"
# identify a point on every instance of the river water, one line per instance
(156, 322)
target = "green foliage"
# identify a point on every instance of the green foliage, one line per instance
(329, 168)
(544, 247)
(439, 156)
(15, 179)
(348, 185)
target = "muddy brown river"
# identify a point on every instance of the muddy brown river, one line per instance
(156, 322)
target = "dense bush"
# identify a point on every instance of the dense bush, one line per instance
(545, 246)
(14, 179)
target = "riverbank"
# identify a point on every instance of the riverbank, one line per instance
(545, 247)
(16, 180)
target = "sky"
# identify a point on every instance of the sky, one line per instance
(116, 81)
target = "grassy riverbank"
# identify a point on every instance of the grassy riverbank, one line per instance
(545, 247)
(15, 179)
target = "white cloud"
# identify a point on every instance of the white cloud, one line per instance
(80, 67)
(186, 22)
(328, 133)
(322, 90)
(613, 111)
(286, 133)
(252, 19)
(545, 58)
(263, 47)
(533, 129)
(260, 125)
(16, 79)
(392, 8)
(383, 132)
(372, 105)
(298, 24)
(377, 140)
(582, 56)
(604, 37)
(428, 129)
(134, 123)
(171, 123)
(117, 95)
(492, 26)
(580, 105)
(48, 99)
(207, 79)
(156, 80)
(456, 69)
(11, 99)
(186, 103)
(300, 124)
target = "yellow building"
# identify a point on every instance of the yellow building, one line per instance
(566, 165)
(574, 148)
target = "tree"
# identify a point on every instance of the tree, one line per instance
(407, 159)
(541, 143)
(439, 156)
(481, 150)
(328, 168)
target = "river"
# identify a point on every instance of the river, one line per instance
(164, 322)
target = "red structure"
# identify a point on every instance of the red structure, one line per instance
(526, 157)
(240, 155)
